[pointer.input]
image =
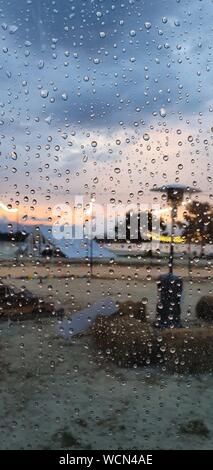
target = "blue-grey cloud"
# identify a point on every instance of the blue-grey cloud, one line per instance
(96, 66)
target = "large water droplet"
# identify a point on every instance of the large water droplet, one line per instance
(12, 29)
(64, 96)
(162, 112)
(14, 155)
(44, 93)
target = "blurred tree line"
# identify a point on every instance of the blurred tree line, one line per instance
(197, 224)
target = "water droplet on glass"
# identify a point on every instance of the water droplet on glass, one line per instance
(64, 96)
(14, 155)
(162, 112)
(44, 93)
(48, 119)
(12, 29)
(41, 64)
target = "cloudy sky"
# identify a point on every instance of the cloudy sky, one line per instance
(103, 97)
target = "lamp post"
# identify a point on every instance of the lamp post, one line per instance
(89, 219)
(91, 240)
(170, 286)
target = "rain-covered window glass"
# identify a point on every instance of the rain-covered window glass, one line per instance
(106, 224)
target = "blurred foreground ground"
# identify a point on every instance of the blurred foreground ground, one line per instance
(56, 394)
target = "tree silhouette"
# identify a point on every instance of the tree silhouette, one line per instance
(198, 224)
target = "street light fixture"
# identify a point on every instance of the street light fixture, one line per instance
(175, 194)
(171, 286)
(89, 213)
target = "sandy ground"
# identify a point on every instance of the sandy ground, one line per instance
(56, 394)
(146, 269)
(78, 290)
(62, 395)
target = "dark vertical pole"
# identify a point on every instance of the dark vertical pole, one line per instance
(171, 256)
(91, 244)
(91, 258)
(17, 233)
(189, 258)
